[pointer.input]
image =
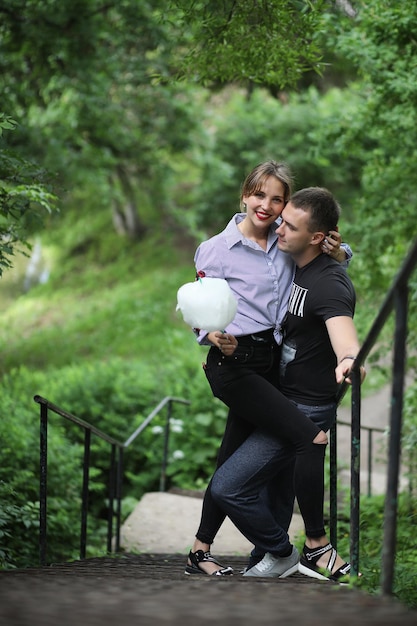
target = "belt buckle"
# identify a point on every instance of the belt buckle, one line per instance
(260, 339)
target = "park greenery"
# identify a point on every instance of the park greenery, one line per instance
(126, 129)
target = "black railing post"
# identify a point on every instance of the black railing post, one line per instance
(112, 487)
(391, 500)
(355, 470)
(119, 482)
(162, 480)
(43, 477)
(84, 504)
(333, 486)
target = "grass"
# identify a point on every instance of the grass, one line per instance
(123, 306)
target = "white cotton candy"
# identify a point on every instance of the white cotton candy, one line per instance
(207, 303)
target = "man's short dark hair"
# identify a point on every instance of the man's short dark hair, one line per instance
(322, 206)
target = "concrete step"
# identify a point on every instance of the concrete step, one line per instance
(167, 523)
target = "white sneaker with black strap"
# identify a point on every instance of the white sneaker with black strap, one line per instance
(308, 565)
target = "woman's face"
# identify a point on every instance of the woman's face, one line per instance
(265, 205)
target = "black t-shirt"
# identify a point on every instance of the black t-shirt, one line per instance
(321, 290)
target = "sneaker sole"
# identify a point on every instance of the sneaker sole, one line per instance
(307, 571)
(288, 572)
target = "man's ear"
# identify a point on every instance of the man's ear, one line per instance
(317, 238)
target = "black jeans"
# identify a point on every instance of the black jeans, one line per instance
(247, 383)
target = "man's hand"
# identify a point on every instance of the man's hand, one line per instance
(331, 246)
(343, 370)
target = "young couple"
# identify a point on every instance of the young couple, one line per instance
(277, 368)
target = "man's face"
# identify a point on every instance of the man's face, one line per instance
(293, 234)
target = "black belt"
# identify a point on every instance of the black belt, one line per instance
(262, 338)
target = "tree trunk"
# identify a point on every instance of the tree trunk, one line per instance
(126, 219)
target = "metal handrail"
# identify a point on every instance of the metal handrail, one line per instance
(396, 301)
(370, 430)
(115, 469)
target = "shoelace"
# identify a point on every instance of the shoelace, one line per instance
(265, 563)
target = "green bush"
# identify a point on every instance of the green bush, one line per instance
(371, 542)
(115, 397)
(19, 476)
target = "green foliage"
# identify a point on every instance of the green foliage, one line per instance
(266, 42)
(19, 529)
(19, 477)
(126, 298)
(6, 123)
(381, 43)
(409, 434)
(24, 199)
(79, 78)
(371, 542)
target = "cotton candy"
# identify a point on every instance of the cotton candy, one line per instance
(207, 303)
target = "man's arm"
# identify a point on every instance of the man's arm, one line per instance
(345, 343)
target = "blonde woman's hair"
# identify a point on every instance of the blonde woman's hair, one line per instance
(257, 177)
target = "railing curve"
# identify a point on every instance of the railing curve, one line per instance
(115, 469)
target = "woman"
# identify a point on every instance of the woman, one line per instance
(241, 363)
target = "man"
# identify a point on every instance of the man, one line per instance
(319, 347)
